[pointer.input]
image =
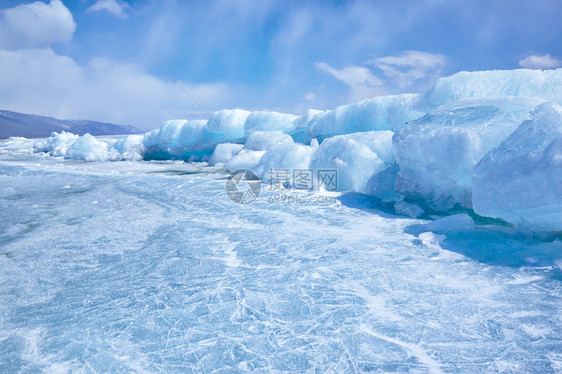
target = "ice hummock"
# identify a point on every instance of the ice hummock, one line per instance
(439, 138)
(255, 147)
(521, 180)
(269, 121)
(130, 147)
(229, 121)
(57, 144)
(376, 114)
(262, 140)
(224, 152)
(356, 157)
(540, 84)
(89, 148)
(182, 139)
(437, 152)
(288, 157)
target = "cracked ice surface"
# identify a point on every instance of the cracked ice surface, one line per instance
(146, 267)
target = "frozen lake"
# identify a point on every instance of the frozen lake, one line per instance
(149, 267)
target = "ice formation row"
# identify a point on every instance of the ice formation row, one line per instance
(488, 141)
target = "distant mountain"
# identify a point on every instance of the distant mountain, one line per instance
(32, 126)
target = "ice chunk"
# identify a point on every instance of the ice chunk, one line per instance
(354, 161)
(182, 139)
(379, 142)
(542, 84)
(224, 152)
(521, 180)
(289, 157)
(456, 222)
(261, 140)
(256, 145)
(128, 143)
(245, 159)
(302, 124)
(383, 184)
(269, 121)
(436, 166)
(56, 144)
(87, 148)
(166, 136)
(129, 148)
(436, 153)
(306, 119)
(195, 132)
(378, 113)
(229, 121)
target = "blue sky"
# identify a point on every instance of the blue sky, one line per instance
(92, 58)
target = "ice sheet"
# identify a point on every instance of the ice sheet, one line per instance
(148, 267)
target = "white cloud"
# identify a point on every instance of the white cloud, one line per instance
(310, 96)
(35, 25)
(35, 79)
(540, 62)
(360, 80)
(42, 82)
(410, 71)
(412, 67)
(114, 7)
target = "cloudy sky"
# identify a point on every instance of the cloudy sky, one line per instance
(99, 59)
